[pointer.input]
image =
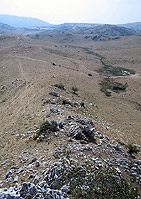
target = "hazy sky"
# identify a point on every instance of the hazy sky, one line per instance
(60, 11)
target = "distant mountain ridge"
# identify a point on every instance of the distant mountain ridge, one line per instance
(10, 24)
(26, 22)
(135, 25)
(21, 22)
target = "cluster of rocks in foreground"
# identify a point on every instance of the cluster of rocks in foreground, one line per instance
(30, 191)
(56, 183)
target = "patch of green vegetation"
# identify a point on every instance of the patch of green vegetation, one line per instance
(98, 55)
(116, 71)
(108, 69)
(132, 149)
(66, 101)
(121, 143)
(82, 104)
(89, 51)
(116, 87)
(60, 86)
(74, 89)
(119, 71)
(47, 127)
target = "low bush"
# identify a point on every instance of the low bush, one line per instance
(60, 86)
(132, 149)
(66, 101)
(47, 127)
(74, 89)
(82, 104)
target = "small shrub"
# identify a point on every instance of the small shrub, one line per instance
(60, 86)
(65, 101)
(74, 89)
(82, 104)
(47, 127)
(132, 149)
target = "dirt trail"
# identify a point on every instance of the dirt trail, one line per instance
(32, 59)
(24, 57)
(21, 69)
(18, 97)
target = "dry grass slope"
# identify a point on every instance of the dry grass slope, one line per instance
(28, 75)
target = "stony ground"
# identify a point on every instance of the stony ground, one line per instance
(75, 142)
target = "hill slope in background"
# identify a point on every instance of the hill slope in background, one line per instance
(135, 26)
(21, 22)
(111, 30)
(79, 33)
(100, 29)
(6, 29)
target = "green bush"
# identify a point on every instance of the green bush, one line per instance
(132, 149)
(82, 104)
(47, 127)
(60, 86)
(74, 89)
(65, 101)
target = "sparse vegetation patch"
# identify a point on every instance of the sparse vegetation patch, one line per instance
(132, 149)
(116, 87)
(66, 101)
(74, 89)
(60, 86)
(116, 71)
(47, 127)
(109, 69)
(82, 104)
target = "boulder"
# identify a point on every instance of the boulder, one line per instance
(54, 94)
(118, 147)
